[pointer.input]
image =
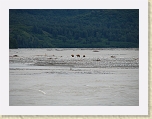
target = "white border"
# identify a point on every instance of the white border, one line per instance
(5, 109)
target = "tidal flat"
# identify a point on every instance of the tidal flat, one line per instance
(59, 77)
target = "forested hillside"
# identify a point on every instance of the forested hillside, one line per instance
(71, 28)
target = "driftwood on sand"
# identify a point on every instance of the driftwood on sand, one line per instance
(15, 55)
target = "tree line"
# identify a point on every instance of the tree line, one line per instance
(73, 28)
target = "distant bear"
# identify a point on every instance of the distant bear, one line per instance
(72, 55)
(78, 55)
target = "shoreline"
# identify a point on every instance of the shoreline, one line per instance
(99, 59)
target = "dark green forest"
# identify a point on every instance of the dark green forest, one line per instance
(73, 28)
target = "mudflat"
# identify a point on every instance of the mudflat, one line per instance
(74, 77)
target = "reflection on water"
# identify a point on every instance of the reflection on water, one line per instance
(51, 77)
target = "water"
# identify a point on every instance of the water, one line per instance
(51, 77)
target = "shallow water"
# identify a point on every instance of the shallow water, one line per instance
(51, 77)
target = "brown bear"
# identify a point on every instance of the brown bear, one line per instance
(78, 55)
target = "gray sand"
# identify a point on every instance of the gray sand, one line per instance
(51, 77)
